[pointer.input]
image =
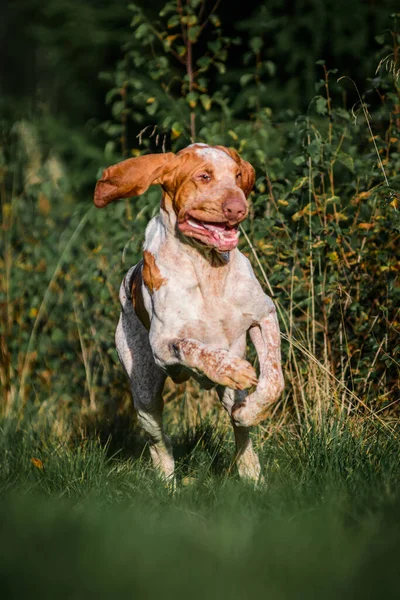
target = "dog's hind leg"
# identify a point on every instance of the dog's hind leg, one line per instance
(146, 379)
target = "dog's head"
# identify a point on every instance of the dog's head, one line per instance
(205, 188)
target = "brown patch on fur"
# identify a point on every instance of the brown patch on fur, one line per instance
(151, 273)
(137, 296)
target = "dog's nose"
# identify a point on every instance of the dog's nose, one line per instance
(234, 210)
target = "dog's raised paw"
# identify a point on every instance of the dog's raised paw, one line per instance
(236, 373)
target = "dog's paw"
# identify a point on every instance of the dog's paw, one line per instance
(236, 373)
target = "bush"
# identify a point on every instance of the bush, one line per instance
(322, 233)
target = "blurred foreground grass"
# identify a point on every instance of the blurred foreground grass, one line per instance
(81, 520)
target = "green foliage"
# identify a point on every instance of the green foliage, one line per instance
(324, 219)
(322, 232)
(165, 76)
(285, 41)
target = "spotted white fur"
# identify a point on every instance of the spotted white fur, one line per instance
(215, 155)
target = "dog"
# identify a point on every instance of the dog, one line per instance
(187, 306)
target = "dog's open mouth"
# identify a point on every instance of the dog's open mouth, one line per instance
(219, 235)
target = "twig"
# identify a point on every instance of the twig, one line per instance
(365, 111)
(258, 260)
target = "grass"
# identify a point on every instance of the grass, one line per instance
(87, 521)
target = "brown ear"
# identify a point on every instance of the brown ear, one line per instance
(248, 173)
(132, 177)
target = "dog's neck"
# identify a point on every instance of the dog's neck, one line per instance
(192, 247)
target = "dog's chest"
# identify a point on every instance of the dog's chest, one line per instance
(213, 302)
(218, 307)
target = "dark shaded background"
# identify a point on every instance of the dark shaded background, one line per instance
(52, 52)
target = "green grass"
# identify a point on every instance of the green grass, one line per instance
(95, 523)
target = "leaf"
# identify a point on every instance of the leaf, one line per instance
(300, 160)
(333, 256)
(169, 39)
(191, 99)
(37, 463)
(214, 46)
(256, 44)
(346, 160)
(204, 61)
(314, 149)
(321, 105)
(193, 33)
(244, 80)
(117, 109)
(365, 226)
(299, 183)
(141, 31)
(173, 21)
(168, 8)
(111, 94)
(114, 129)
(151, 109)
(176, 130)
(109, 149)
(215, 20)
(189, 20)
(205, 101)
(341, 112)
(271, 67)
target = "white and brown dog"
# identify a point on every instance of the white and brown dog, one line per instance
(189, 303)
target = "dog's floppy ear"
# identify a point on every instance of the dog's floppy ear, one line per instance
(248, 173)
(132, 177)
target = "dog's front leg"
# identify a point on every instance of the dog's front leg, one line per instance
(216, 364)
(266, 339)
(246, 460)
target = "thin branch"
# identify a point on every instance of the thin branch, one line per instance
(214, 8)
(365, 111)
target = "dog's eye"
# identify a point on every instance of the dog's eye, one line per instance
(204, 177)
